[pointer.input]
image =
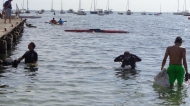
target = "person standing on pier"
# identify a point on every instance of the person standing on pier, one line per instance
(30, 56)
(7, 8)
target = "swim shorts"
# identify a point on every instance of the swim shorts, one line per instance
(176, 72)
(8, 12)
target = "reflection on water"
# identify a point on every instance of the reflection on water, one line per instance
(171, 96)
(127, 74)
(76, 69)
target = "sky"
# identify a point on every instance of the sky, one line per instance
(116, 5)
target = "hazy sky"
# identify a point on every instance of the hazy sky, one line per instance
(116, 5)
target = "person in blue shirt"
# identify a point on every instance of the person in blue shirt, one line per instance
(60, 22)
(7, 9)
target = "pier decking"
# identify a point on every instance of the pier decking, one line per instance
(8, 26)
(9, 33)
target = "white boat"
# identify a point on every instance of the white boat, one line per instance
(178, 12)
(27, 11)
(159, 12)
(52, 10)
(128, 11)
(100, 12)
(95, 11)
(143, 13)
(29, 16)
(70, 11)
(80, 11)
(62, 12)
(25, 16)
(22, 11)
(120, 13)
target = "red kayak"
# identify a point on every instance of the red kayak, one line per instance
(98, 30)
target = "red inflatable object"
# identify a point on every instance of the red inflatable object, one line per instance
(98, 30)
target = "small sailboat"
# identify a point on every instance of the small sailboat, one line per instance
(70, 11)
(143, 13)
(22, 11)
(101, 12)
(80, 11)
(107, 7)
(95, 10)
(62, 12)
(128, 11)
(120, 13)
(52, 10)
(27, 11)
(159, 12)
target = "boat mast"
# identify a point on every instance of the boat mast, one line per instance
(178, 6)
(52, 4)
(108, 5)
(94, 5)
(61, 5)
(79, 4)
(27, 5)
(128, 4)
(185, 4)
(3, 3)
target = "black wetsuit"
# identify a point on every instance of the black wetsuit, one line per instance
(130, 61)
(30, 56)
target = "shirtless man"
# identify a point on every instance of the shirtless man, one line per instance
(176, 54)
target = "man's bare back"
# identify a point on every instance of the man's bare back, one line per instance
(176, 54)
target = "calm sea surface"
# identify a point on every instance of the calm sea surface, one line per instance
(77, 69)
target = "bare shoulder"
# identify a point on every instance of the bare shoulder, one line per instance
(183, 48)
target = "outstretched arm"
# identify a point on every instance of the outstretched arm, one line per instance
(165, 58)
(119, 58)
(21, 58)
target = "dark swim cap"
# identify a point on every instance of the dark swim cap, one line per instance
(126, 53)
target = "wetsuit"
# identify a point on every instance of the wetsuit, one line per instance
(30, 56)
(176, 72)
(130, 61)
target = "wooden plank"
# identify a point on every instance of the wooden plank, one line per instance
(8, 26)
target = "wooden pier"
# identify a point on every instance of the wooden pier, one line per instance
(9, 33)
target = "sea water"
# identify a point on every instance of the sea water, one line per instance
(77, 69)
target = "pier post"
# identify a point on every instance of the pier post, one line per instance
(9, 42)
(3, 46)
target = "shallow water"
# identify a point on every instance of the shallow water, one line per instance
(77, 69)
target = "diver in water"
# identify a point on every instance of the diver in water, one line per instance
(128, 59)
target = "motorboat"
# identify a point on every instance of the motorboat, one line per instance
(70, 11)
(81, 12)
(100, 12)
(143, 13)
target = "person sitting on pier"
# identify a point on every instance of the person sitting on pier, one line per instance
(53, 21)
(128, 59)
(30, 56)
